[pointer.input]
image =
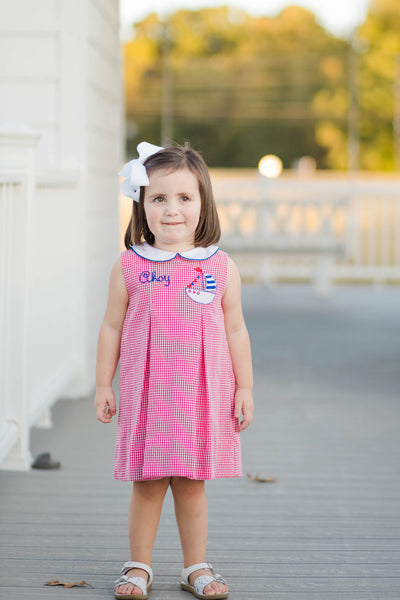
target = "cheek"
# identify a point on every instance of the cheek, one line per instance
(196, 217)
(151, 215)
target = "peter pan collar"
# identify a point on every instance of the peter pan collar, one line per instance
(147, 251)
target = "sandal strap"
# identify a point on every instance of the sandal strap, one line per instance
(202, 580)
(189, 570)
(133, 564)
(139, 582)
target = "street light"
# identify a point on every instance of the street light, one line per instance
(166, 84)
(270, 166)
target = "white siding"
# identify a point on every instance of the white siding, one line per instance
(104, 156)
(29, 70)
(35, 103)
(62, 77)
(54, 299)
(22, 15)
(29, 57)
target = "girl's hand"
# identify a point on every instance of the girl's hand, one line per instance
(104, 404)
(244, 405)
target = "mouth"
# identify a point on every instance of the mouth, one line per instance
(174, 223)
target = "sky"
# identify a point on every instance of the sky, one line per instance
(338, 16)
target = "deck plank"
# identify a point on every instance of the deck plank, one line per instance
(326, 426)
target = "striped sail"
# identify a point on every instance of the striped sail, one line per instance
(211, 286)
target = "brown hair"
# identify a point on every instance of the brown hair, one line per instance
(176, 158)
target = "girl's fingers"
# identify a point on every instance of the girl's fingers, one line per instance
(238, 409)
(243, 406)
(247, 419)
(242, 425)
(109, 411)
(106, 412)
(103, 417)
(237, 413)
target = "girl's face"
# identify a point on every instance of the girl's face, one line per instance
(172, 206)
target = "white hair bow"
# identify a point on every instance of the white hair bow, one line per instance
(135, 171)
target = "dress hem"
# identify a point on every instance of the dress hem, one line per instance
(177, 475)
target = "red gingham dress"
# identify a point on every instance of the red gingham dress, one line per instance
(176, 380)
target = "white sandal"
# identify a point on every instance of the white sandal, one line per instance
(197, 589)
(140, 582)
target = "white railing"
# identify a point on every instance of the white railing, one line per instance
(40, 352)
(373, 234)
(9, 427)
(17, 194)
(324, 229)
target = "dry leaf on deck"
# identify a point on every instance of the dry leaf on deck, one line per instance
(68, 584)
(261, 479)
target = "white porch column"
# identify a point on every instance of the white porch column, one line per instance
(17, 198)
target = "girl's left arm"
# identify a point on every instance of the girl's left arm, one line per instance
(239, 346)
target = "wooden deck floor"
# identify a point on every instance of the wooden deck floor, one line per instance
(327, 427)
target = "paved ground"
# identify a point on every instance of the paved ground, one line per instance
(327, 427)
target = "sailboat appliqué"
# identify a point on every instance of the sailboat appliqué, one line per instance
(205, 294)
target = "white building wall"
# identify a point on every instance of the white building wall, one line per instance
(104, 154)
(29, 71)
(60, 74)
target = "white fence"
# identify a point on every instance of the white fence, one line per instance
(39, 358)
(17, 193)
(53, 287)
(292, 228)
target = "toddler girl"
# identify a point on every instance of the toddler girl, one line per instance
(174, 320)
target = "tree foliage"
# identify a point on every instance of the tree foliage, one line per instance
(239, 87)
(379, 69)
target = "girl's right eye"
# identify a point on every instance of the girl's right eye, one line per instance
(158, 199)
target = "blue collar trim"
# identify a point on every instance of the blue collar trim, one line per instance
(148, 252)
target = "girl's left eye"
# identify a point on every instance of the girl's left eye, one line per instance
(185, 198)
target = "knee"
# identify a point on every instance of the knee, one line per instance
(151, 490)
(187, 489)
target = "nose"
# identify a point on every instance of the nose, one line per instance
(171, 207)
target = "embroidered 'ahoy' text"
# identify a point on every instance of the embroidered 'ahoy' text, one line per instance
(147, 277)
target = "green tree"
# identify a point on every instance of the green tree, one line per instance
(381, 30)
(378, 43)
(241, 86)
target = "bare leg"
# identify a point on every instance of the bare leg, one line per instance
(144, 516)
(192, 520)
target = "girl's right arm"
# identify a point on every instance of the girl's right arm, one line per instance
(108, 346)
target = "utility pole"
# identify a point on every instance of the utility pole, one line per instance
(353, 144)
(396, 117)
(166, 87)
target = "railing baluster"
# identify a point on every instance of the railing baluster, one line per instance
(291, 216)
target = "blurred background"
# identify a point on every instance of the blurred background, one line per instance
(296, 109)
(245, 79)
